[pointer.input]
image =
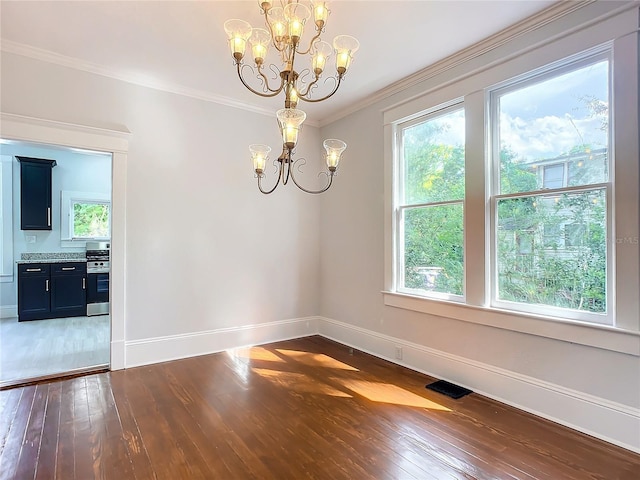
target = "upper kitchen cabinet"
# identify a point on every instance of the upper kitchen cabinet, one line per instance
(35, 193)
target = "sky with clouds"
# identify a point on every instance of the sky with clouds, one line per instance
(548, 118)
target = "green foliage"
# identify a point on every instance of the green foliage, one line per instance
(537, 265)
(90, 220)
(433, 235)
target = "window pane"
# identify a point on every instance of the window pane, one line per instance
(433, 249)
(556, 126)
(90, 220)
(433, 155)
(566, 260)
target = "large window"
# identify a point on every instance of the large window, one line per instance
(543, 239)
(551, 182)
(430, 210)
(533, 156)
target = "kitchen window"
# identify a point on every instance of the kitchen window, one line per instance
(85, 216)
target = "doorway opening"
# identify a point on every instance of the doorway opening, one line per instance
(46, 327)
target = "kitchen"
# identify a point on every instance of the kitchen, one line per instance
(54, 273)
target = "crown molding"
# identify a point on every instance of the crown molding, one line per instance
(534, 22)
(140, 80)
(546, 16)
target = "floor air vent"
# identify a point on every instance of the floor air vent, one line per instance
(449, 389)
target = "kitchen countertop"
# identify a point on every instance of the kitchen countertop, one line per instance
(53, 260)
(53, 257)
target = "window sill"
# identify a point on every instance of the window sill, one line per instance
(593, 335)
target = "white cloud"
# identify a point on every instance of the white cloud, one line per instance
(549, 136)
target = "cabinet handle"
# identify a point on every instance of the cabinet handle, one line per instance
(84, 284)
(48, 216)
(46, 285)
(34, 269)
(66, 269)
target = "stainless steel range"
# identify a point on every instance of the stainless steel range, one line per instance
(98, 254)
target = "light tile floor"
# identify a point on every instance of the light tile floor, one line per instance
(45, 347)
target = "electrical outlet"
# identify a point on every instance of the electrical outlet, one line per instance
(399, 353)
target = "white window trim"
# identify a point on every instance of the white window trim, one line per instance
(6, 218)
(67, 199)
(620, 30)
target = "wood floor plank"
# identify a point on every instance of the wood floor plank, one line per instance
(131, 438)
(65, 458)
(82, 441)
(30, 448)
(18, 427)
(9, 402)
(305, 408)
(46, 466)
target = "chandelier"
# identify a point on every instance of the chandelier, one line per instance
(285, 25)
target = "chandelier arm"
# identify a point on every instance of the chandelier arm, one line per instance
(323, 98)
(313, 40)
(266, 82)
(267, 192)
(267, 95)
(314, 192)
(309, 86)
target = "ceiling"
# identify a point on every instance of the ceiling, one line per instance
(181, 46)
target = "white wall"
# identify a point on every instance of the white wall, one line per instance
(353, 227)
(205, 250)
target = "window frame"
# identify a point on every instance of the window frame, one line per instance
(553, 70)
(400, 206)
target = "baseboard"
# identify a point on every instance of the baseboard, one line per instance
(610, 421)
(117, 355)
(163, 349)
(9, 311)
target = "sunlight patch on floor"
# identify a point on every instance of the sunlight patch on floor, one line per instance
(255, 353)
(298, 382)
(316, 359)
(388, 393)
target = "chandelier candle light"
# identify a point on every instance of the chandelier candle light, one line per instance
(285, 27)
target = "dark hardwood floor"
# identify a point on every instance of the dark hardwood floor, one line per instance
(306, 408)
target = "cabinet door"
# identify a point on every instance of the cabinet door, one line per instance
(35, 194)
(34, 294)
(68, 290)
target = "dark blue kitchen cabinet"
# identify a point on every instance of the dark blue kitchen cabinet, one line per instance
(68, 289)
(35, 193)
(34, 291)
(52, 290)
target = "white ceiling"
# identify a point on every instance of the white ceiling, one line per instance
(181, 45)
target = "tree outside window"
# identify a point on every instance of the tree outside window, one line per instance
(431, 213)
(90, 220)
